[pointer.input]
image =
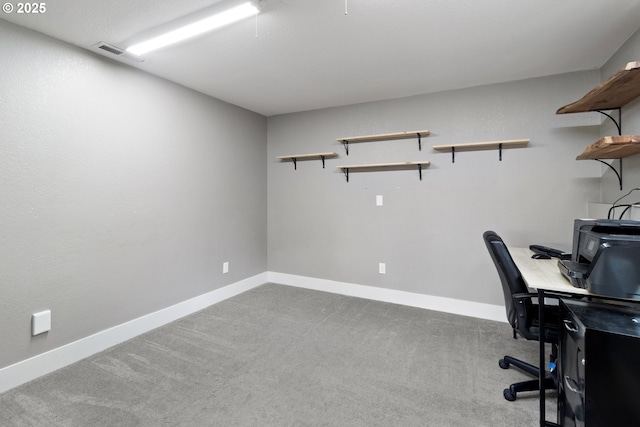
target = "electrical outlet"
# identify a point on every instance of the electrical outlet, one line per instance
(40, 322)
(382, 268)
(225, 267)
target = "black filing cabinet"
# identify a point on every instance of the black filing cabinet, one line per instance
(599, 364)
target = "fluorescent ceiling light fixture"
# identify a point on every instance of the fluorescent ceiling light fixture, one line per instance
(218, 20)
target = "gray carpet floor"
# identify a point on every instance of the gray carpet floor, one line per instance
(284, 356)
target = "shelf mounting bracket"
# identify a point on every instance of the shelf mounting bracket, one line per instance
(346, 145)
(419, 141)
(322, 157)
(618, 173)
(453, 152)
(295, 163)
(618, 122)
(346, 173)
(420, 171)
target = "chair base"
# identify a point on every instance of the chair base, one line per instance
(511, 393)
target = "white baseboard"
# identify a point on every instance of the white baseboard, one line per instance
(34, 367)
(42, 364)
(448, 305)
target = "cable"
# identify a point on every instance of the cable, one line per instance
(630, 191)
(614, 206)
(627, 208)
(624, 211)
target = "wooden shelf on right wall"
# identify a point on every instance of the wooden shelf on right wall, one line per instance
(620, 89)
(612, 147)
(612, 94)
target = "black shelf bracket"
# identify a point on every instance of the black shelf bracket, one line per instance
(618, 122)
(419, 141)
(346, 145)
(618, 173)
(346, 172)
(453, 153)
(295, 161)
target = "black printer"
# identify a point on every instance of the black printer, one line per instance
(605, 258)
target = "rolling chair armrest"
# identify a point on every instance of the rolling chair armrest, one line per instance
(530, 329)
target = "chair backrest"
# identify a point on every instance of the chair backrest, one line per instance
(512, 281)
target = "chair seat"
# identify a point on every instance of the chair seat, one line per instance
(551, 322)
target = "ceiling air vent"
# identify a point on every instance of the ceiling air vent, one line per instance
(110, 48)
(117, 51)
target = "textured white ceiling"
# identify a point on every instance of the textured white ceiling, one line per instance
(309, 54)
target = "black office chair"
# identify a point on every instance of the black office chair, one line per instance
(522, 314)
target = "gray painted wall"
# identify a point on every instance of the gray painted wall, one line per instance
(630, 51)
(429, 232)
(121, 193)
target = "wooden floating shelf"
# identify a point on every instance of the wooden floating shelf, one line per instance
(384, 165)
(470, 146)
(307, 156)
(489, 145)
(612, 147)
(385, 137)
(346, 168)
(295, 157)
(620, 89)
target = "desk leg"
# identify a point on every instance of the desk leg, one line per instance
(541, 375)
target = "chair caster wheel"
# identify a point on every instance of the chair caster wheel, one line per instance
(509, 395)
(503, 364)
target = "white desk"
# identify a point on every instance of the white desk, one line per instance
(543, 275)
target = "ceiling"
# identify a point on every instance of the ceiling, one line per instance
(308, 54)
